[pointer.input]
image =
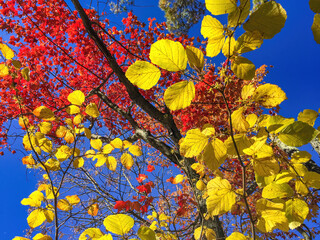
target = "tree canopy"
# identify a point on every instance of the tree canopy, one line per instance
(137, 134)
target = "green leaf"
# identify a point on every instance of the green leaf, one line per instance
(168, 55)
(218, 7)
(243, 68)
(297, 211)
(211, 28)
(316, 28)
(179, 95)
(146, 233)
(268, 19)
(119, 224)
(315, 6)
(143, 74)
(274, 190)
(297, 134)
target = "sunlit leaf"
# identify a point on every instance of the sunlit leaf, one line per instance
(274, 190)
(228, 46)
(28, 160)
(211, 28)
(214, 46)
(252, 119)
(34, 199)
(312, 179)
(91, 233)
(119, 224)
(296, 212)
(143, 74)
(266, 166)
(64, 205)
(73, 199)
(135, 150)
(179, 95)
(243, 68)
(218, 7)
(242, 142)
(76, 98)
(300, 157)
(93, 209)
(214, 154)
(117, 143)
(52, 164)
(239, 122)
(127, 160)
(6, 51)
(45, 127)
(247, 91)
(200, 185)
(268, 19)
(269, 95)
(221, 197)
(96, 143)
(297, 134)
(44, 113)
(111, 163)
(146, 233)
(308, 116)
(4, 70)
(169, 55)
(25, 72)
(194, 143)
(78, 162)
(195, 57)
(178, 179)
(277, 123)
(236, 236)
(238, 16)
(41, 236)
(248, 41)
(36, 218)
(207, 232)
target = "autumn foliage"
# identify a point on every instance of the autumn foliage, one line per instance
(137, 134)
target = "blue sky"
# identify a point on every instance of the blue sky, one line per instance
(293, 53)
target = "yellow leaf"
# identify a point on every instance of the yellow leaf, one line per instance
(45, 145)
(73, 109)
(221, 197)
(108, 148)
(195, 58)
(87, 133)
(146, 233)
(301, 188)
(194, 143)
(93, 209)
(61, 131)
(214, 154)
(265, 166)
(63, 152)
(297, 134)
(20, 238)
(274, 190)
(52, 164)
(236, 236)
(243, 68)
(268, 19)
(296, 212)
(127, 161)
(41, 236)
(207, 232)
(312, 179)
(78, 162)
(28, 160)
(49, 192)
(73, 199)
(36, 218)
(218, 7)
(23, 122)
(6, 51)
(178, 179)
(200, 185)
(25, 72)
(300, 157)
(248, 41)
(308, 116)
(143, 74)
(126, 144)
(96, 143)
(298, 169)
(247, 91)
(64, 205)
(239, 122)
(101, 160)
(283, 177)
(34, 199)
(277, 123)
(44, 113)
(242, 142)
(211, 28)
(119, 224)
(208, 130)
(252, 119)
(135, 150)
(4, 70)
(92, 110)
(238, 16)
(168, 55)
(269, 95)
(76, 98)
(117, 143)
(179, 95)
(214, 46)
(45, 127)
(90, 153)
(228, 46)
(111, 163)
(314, 6)
(199, 168)
(78, 119)
(91, 233)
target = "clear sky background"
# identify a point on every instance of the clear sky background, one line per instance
(293, 53)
